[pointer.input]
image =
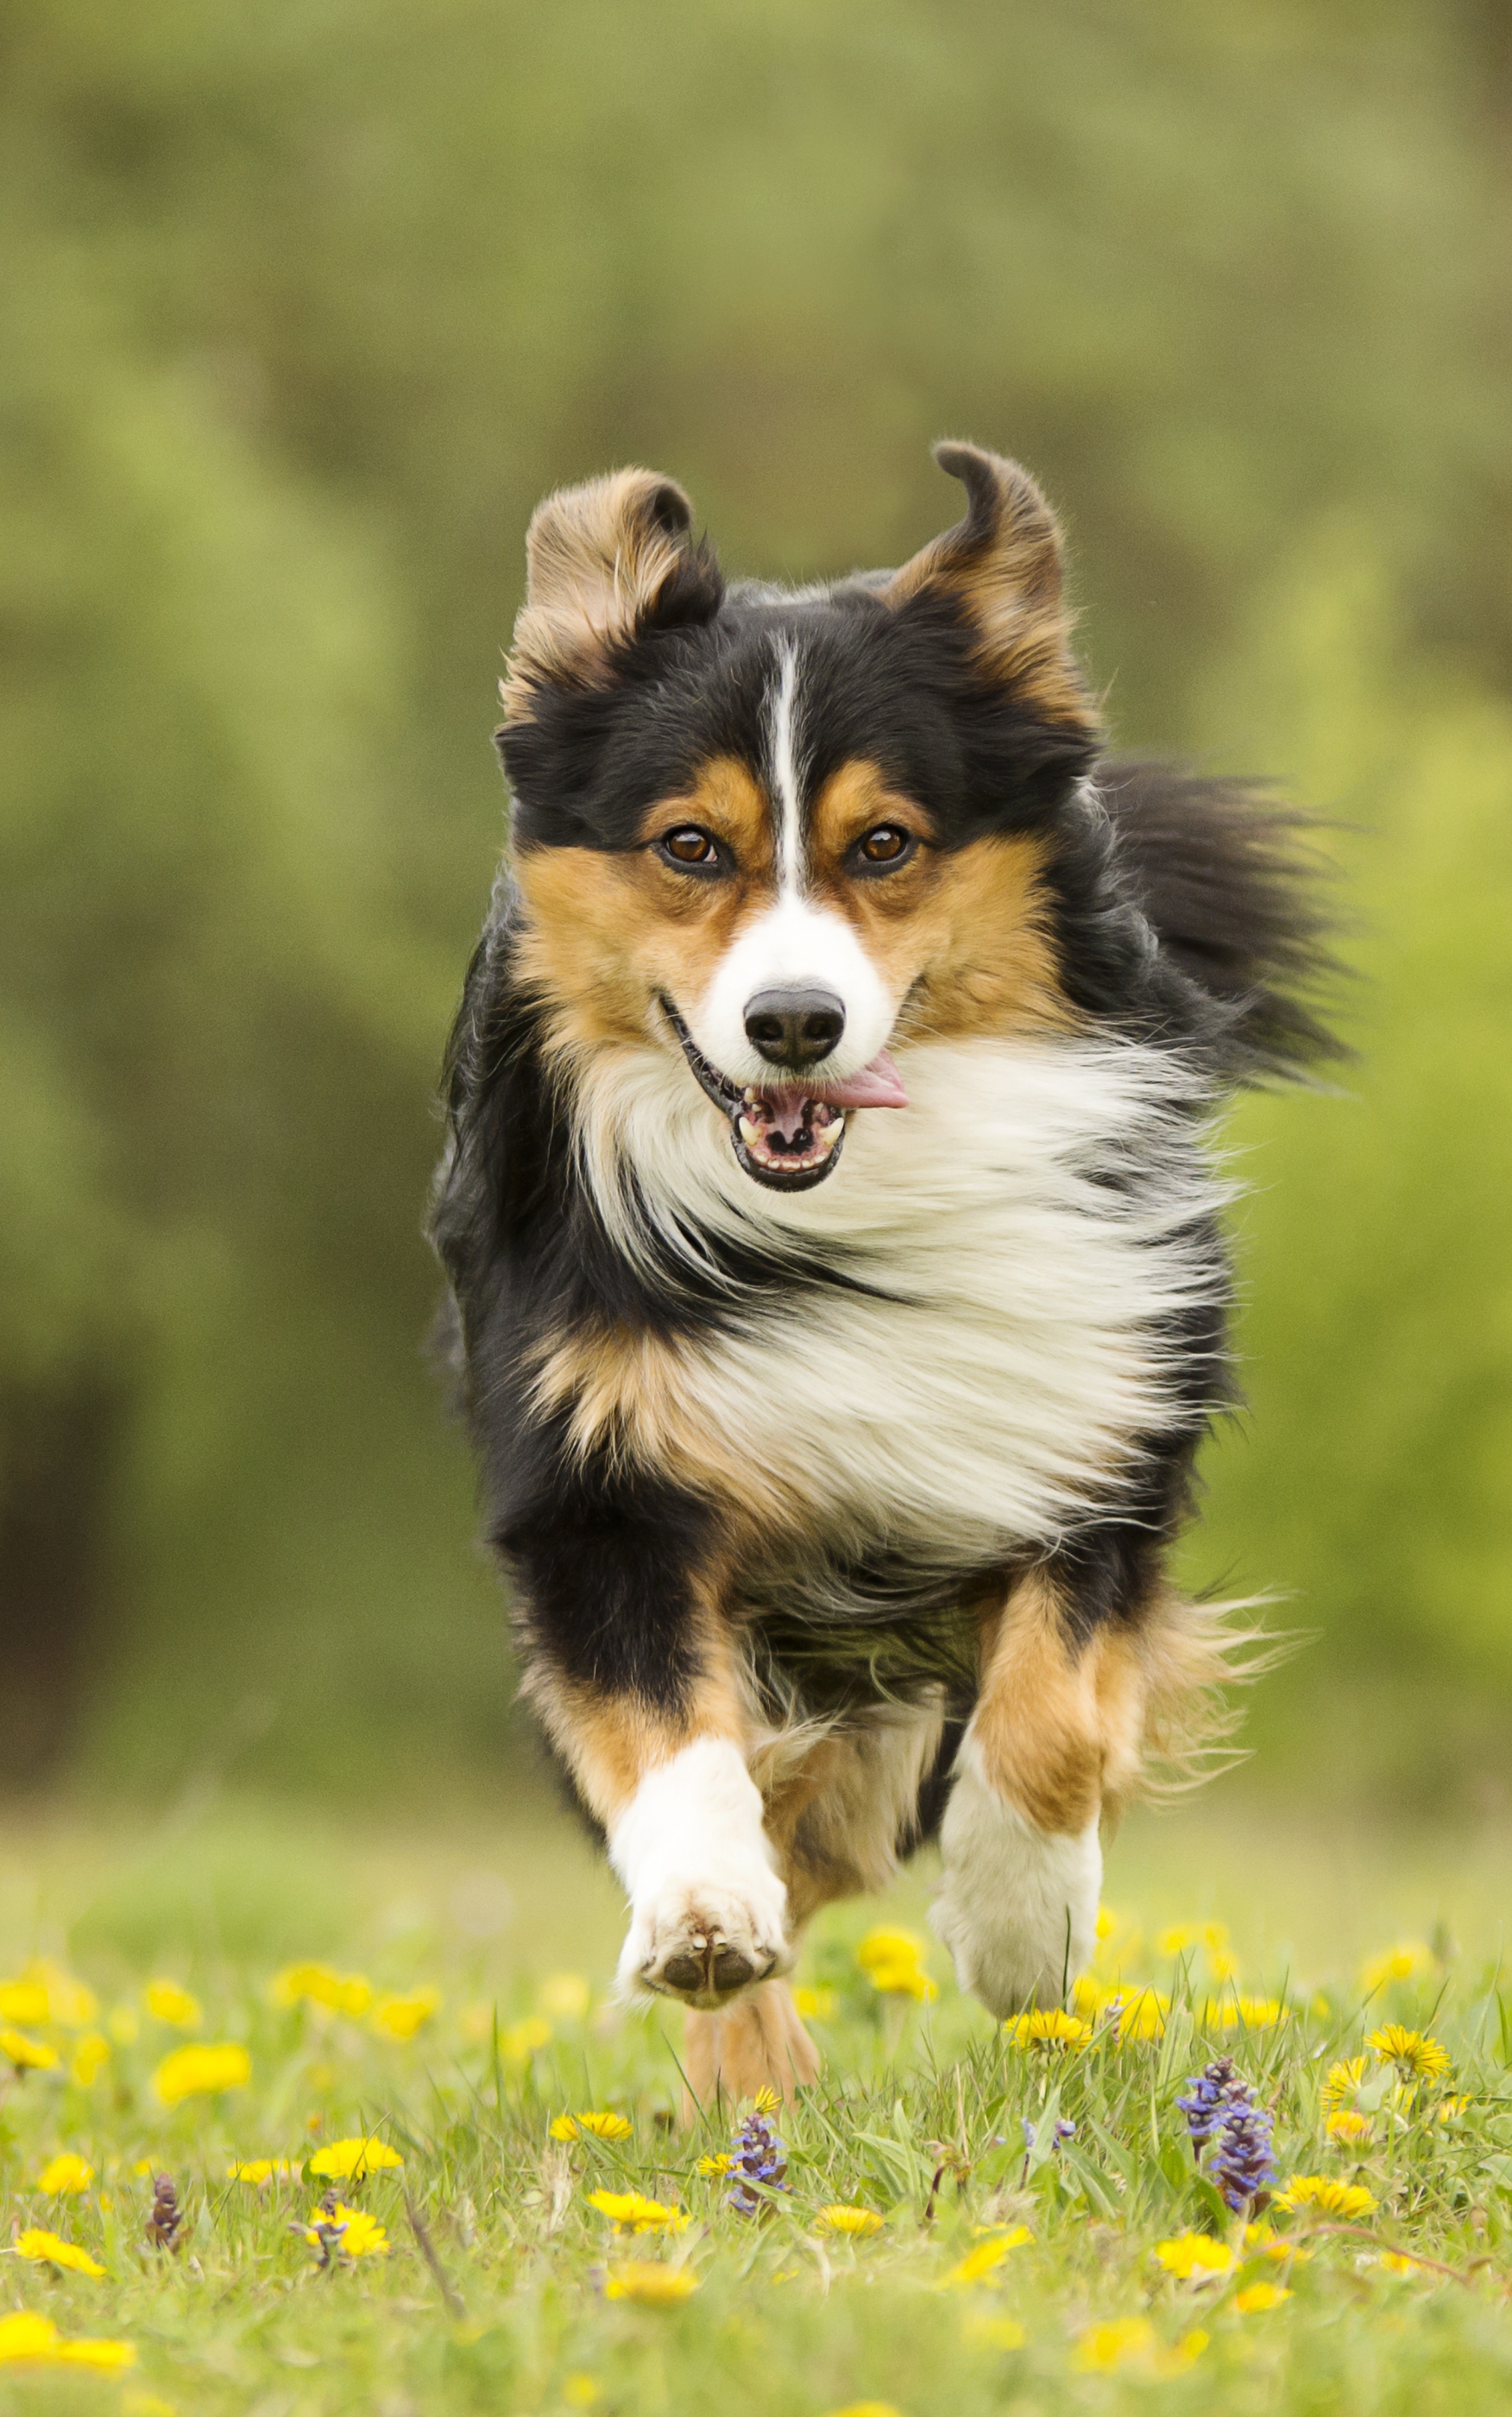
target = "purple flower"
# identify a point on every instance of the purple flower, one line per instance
(1242, 2165)
(759, 2156)
(1205, 2107)
(1220, 2106)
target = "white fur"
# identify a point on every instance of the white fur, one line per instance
(784, 768)
(1002, 1361)
(693, 1855)
(794, 941)
(1018, 1907)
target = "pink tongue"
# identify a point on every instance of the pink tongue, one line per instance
(877, 1085)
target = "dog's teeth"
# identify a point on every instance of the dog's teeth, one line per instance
(827, 1135)
(749, 1133)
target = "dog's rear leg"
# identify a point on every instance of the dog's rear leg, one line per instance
(1056, 1727)
(757, 2043)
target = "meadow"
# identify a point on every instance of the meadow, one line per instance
(418, 2160)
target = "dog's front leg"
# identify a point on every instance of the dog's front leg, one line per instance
(1056, 1724)
(631, 1672)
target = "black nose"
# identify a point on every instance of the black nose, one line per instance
(795, 1026)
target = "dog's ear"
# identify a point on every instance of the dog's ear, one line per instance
(1000, 570)
(607, 562)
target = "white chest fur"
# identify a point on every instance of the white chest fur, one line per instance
(1023, 1230)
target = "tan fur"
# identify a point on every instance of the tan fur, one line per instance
(598, 556)
(837, 1811)
(1064, 1729)
(610, 1742)
(1003, 563)
(629, 1388)
(604, 933)
(964, 938)
(757, 2043)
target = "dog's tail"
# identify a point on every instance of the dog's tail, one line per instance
(1237, 893)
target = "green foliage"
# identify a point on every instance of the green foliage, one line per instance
(303, 308)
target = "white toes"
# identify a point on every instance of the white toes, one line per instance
(1018, 1908)
(708, 1911)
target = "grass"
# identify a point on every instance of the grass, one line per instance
(507, 2289)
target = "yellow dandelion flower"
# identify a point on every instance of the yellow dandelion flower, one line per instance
(201, 2071)
(24, 2001)
(167, 2002)
(317, 1984)
(90, 2057)
(857, 2221)
(360, 2236)
(1343, 2079)
(1261, 2013)
(26, 2055)
(893, 1960)
(1048, 2027)
(1256, 2298)
(67, 2001)
(564, 1995)
(1104, 2347)
(867, 2408)
(30, 2340)
(259, 2170)
(1194, 2256)
(1397, 2261)
(48, 2249)
(344, 2161)
(655, 2286)
(596, 2125)
(1416, 2055)
(1263, 2241)
(636, 2214)
(400, 2019)
(711, 2167)
(1449, 2110)
(1325, 2197)
(986, 2259)
(766, 2101)
(1407, 1961)
(1107, 1923)
(814, 2005)
(68, 2172)
(1348, 2126)
(1140, 2013)
(518, 2042)
(580, 2391)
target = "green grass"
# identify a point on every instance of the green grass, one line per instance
(786, 2317)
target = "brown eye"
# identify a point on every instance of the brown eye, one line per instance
(885, 844)
(687, 844)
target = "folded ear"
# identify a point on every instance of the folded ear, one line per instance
(606, 561)
(1002, 570)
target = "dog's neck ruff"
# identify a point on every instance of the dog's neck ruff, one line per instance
(1024, 1246)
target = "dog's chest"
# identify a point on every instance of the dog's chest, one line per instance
(1017, 1248)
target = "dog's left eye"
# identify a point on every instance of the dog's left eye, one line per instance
(888, 844)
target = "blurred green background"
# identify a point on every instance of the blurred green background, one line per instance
(301, 308)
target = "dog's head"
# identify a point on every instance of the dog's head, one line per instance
(778, 832)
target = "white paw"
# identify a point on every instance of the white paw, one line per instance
(708, 1911)
(1018, 1908)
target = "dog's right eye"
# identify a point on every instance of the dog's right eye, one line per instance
(691, 848)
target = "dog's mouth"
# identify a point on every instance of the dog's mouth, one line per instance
(788, 1136)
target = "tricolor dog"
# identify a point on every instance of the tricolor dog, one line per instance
(839, 1291)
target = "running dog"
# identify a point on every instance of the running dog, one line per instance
(839, 1284)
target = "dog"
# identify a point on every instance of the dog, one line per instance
(839, 1285)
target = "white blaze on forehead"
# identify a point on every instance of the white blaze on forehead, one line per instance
(798, 943)
(782, 756)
